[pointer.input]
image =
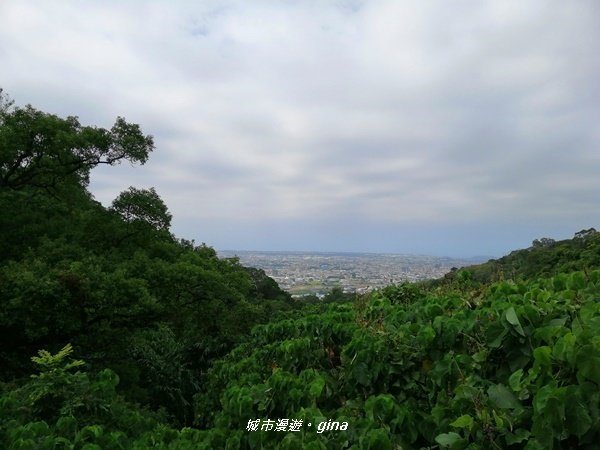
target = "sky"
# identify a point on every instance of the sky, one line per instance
(456, 128)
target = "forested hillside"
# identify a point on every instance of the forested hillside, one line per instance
(546, 257)
(116, 335)
(113, 282)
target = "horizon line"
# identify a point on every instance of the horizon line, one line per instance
(346, 252)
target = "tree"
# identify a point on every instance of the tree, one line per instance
(142, 205)
(5, 104)
(265, 287)
(543, 242)
(337, 295)
(583, 234)
(42, 150)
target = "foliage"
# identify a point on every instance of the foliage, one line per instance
(44, 151)
(517, 366)
(501, 355)
(546, 257)
(142, 205)
(62, 409)
(113, 282)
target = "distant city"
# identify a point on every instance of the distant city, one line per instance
(303, 273)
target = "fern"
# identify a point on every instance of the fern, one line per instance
(47, 362)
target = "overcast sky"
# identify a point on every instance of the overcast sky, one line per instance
(456, 128)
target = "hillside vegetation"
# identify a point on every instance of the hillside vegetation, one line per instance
(113, 282)
(546, 257)
(116, 335)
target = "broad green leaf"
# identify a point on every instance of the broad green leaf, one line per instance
(316, 387)
(464, 421)
(588, 365)
(66, 425)
(480, 356)
(448, 439)
(502, 397)
(498, 420)
(495, 334)
(548, 333)
(576, 281)
(515, 380)
(361, 373)
(378, 440)
(511, 317)
(380, 408)
(550, 399)
(90, 446)
(564, 348)
(518, 436)
(578, 420)
(543, 356)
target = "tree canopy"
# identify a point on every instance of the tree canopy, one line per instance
(142, 205)
(42, 150)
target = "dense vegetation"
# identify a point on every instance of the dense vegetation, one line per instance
(546, 257)
(116, 335)
(112, 282)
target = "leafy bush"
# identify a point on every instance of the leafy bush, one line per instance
(518, 367)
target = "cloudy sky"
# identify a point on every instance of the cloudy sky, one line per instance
(456, 128)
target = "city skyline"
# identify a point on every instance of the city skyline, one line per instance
(302, 273)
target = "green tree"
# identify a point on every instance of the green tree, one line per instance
(142, 205)
(337, 295)
(543, 242)
(42, 150)
(5, 104)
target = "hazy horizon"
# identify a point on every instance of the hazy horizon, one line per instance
(325, 252)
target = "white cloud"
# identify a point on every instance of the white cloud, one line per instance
(408, 112)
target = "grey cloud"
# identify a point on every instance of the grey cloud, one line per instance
(414, 113)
